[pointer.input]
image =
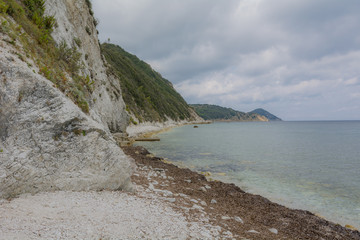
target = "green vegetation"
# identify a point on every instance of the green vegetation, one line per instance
(31, 31)
(148, 96)
(214, 112)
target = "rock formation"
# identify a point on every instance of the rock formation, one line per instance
(47, 142)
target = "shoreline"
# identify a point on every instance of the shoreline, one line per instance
(209, 177)
(243, 214)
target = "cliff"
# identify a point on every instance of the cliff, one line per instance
(58, 105)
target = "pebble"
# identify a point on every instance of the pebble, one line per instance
(225, 218)
(194, 200)
(203, 189)
(253, 231)
(213, 201)
(183, 195)
(172, 200)
(238, 219)
(273, 230)
(187, 180)
(207, 187)
(166, 193)
(195, 206)
(203, 203)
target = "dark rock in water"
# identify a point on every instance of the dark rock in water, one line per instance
(196, 126)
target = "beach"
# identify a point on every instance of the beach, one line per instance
(168, 202)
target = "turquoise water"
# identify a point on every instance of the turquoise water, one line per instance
(313, 166)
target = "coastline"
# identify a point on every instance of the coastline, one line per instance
(244, 215)
(152, 133)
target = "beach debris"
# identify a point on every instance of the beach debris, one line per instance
(273, 230)
(213, 201)
(238, 219)
(206, 174)
(159, 169)
(253, 231)
(351, 227)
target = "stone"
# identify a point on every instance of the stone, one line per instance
(203, 189)
(172, 200)
(273, 230)
(203, 203)
(187, 180)
(225, 218)
(238, 219)
(253, 231)
(195, 206)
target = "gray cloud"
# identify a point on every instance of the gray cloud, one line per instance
(299, 59)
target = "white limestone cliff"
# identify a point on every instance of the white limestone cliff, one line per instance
(46, 142)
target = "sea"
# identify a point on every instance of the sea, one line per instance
(308, 165)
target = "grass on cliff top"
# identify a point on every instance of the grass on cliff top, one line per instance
(57, 63)
(146, 93)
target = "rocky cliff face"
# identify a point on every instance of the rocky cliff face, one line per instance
(46, 142)
(75, 23)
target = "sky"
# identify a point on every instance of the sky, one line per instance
(298, 59)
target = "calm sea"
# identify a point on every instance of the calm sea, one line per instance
(313, 166)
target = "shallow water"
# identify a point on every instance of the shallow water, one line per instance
(313, 166)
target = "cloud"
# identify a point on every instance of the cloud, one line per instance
(247, 53)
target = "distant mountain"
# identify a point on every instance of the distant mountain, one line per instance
(214, 112)
(266, 114)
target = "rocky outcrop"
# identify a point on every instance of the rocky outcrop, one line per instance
(76, 26)
(46, 142)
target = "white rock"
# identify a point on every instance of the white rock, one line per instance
(172, 200)
(213, 201)
(238, 219)
(195, 206)
(203, 203)
(203, 189)
(194, 200)
(253, 231)
(207, 187)
(187, 180)
(225, 218)
(273, 230)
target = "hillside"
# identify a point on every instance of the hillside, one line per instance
(148, 96)
(266, 114)
(214, 112)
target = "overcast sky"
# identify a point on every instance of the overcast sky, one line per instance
(299, 59)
